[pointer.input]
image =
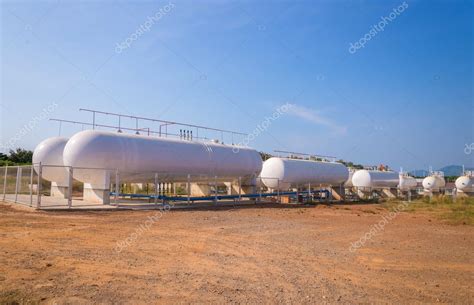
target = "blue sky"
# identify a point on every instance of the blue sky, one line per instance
(405, 99)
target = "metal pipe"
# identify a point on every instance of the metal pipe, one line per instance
(18, 181)
(189, 188)
(38, 189)
(31, 186)
(297, 193)
(69, 190)
(157, 120)
(5, 183)
(215, 189)
(117, 186)
(240, 188)
(156, 188)
(278, 190)
(150, 132)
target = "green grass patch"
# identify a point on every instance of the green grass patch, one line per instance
(454, 211)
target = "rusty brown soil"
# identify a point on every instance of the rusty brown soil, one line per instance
(252, 255)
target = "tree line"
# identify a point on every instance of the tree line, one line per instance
(16, 157)
(22, 156)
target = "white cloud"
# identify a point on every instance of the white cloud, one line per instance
(316, 118)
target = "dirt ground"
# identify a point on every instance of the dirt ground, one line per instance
(269, 255)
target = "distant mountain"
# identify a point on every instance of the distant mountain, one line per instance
(453, 170)
(419, 173)
(450, 170)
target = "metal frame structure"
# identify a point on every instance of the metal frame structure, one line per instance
(163, 193)
(15, 181)
(292, 153)
(163, 123)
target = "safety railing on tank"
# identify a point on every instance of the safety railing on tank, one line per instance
(304, 156)
(186, 132)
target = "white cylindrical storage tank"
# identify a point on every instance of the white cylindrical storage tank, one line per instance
(136, 155)
(465, 184)
(284, 173)
(407, 183)
(50, 154)
(348, 182)
(433, 183)
(373, 179)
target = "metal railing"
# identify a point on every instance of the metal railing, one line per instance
(31, 185)
(19, 181)
(294, 155)
(185, 132)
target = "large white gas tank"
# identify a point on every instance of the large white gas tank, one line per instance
(465, 184)
(433, 183)
(407, 183)
(373, 179)
(284, 173)
(135, 155)
(50, 154)
(348, 182)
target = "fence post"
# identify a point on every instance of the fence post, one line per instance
(189, 188)
(5, 184)
(69, 189)
(117, 186)
(17, 184)
(297, 193)
(156, 188)
(38, 188)
(240, 189)
(278, 190)
(215, 189)
(310, 199)
(31, 185)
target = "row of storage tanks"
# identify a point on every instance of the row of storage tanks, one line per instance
(135, 154)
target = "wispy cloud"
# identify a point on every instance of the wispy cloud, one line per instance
(315, 117)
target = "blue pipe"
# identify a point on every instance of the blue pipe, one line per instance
(218, 197)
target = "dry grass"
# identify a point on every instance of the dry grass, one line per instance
(457, 212)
